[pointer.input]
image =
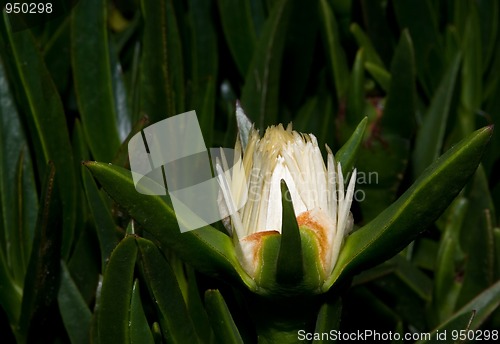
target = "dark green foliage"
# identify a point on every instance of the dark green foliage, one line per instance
(406, 92)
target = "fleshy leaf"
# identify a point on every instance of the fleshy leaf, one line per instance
(473, 314)
(74, 311)
(289, 269)
(116, 294)
(348, 153)
(261, 90)
(42, 278)
(417, 208)
(336, 54)
(94, 88)
(207, 249)
(238, 29)
(431, 136)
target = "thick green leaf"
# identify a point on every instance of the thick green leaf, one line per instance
(476, 312)
(206, 248)
(236, 19)
(299, 52)
(41, 284)
(329, 317)
(401, 297)
(176, 325)
(139, 327)
(377, 28)
(381, 163)
(75, 313)
(162, 91)
(261, 90)
(116, 293)
(18, 196)
(44, 111)
(121, 157)
(476, 239)
(204, 52)
(399, 111)
(381, 75)
(336, 54)
(414, 278)
(80, 153)
(417, 16)
(94, 322)
(104, 222)
(418, 207)
(364, 42)
(85, 264)
(316, 117)
(348, 153)
(26, 208)
(223, 324)
(424, 254)
(120, 96)
(489, 17)
(444, 334)
(472, 69)
(430, 137)
(10, 293)
(156, 331)
(386, 150)
(94, 86)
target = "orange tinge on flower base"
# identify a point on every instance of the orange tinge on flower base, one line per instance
(317, 193)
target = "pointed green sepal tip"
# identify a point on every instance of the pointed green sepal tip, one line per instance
(348, 153)
(289, 269)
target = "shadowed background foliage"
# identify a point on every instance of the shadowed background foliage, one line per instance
(426, 74)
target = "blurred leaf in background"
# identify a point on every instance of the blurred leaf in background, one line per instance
(392, 86)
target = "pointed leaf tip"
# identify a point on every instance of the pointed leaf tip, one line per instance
(289, 267)
(348, 153)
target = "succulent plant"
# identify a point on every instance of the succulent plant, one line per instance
(390, 228)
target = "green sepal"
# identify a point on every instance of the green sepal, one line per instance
(116, 294)
(290, 268)
(329, 316)
(42, 279)
(75, 313)
(448, 263)
(348, 153)
(93, 86)
(260, 93)
(380, 75)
